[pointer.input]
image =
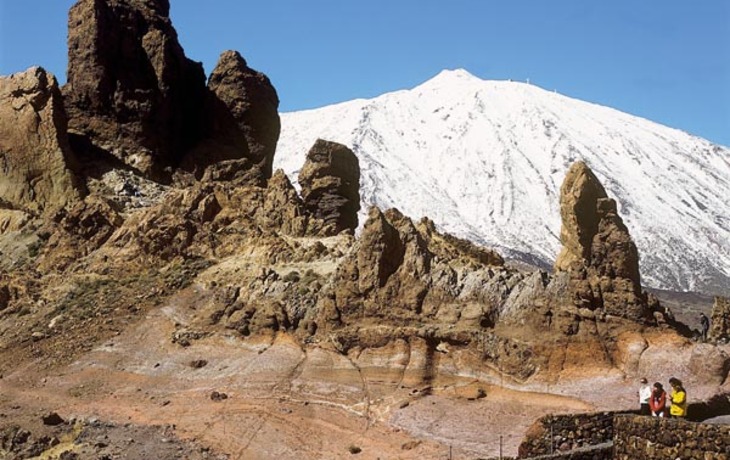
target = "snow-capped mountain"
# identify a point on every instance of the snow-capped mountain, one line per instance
(485, 161)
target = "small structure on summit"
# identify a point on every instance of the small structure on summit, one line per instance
(598, 251)
(330, 180)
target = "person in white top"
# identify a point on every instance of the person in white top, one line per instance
(644, 396)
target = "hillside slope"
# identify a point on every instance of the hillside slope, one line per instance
(484, 160)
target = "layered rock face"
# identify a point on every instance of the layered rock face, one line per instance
(36, 163)
(131, 90)
(598, 252)
(330, 180)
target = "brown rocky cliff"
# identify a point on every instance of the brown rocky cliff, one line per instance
(330, 180)
(130, 89)
(36, 162)
(252, 101)
(598, 251)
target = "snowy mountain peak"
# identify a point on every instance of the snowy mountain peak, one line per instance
(485, 159)
(453, 75)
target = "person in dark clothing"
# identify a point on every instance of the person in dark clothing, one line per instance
(705, 324)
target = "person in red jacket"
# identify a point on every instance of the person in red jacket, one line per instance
(658, 400)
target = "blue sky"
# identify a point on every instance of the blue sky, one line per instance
(666, 60)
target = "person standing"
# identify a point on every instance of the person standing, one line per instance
(678, 396)
(658, 400)
(644, 397)
(705, 324)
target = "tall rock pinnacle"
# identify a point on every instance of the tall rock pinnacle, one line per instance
(598, 251)
(131, 91)
(252, 101)
(330, 180)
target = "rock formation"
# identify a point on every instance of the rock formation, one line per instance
(131, 91)
(36, 163)
(330, 180)
(400, 273)
(598, 252)
(720, 320)
(253, 104)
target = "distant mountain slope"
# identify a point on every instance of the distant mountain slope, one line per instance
(485, 160)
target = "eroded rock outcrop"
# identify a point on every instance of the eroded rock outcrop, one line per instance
(400, 273)
(131, 91)
(720, 320)
(330, 180)
(598, 251)
(36, 162)
(251, 101)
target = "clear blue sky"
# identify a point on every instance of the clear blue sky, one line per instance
(666, 60)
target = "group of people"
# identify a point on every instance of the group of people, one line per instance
(654, 399)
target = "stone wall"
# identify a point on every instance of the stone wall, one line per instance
(652, 438)
(562, 433)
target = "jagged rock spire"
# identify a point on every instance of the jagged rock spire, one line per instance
(253, 103)
(131, 91)
(330, 180)
(598, 251)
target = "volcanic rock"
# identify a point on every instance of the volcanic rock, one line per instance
(330, 180)
(36, 163)
(720, 320)
(4, 295)
(598, 251)
(251, 101)
(52, 418)
(131, 91)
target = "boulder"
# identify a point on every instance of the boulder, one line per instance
(330, 180)
(598, 251)
(37, 166)
(131, 91)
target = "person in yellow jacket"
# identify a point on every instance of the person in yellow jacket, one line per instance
(678, 398)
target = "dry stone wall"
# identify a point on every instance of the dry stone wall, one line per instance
(652, 438)
(563, 433)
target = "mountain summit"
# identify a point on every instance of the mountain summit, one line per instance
(485, 159)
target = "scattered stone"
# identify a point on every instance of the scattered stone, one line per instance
(52, 419)
(36, 336)
(198, 363)
(410, 445)
(218, 396)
